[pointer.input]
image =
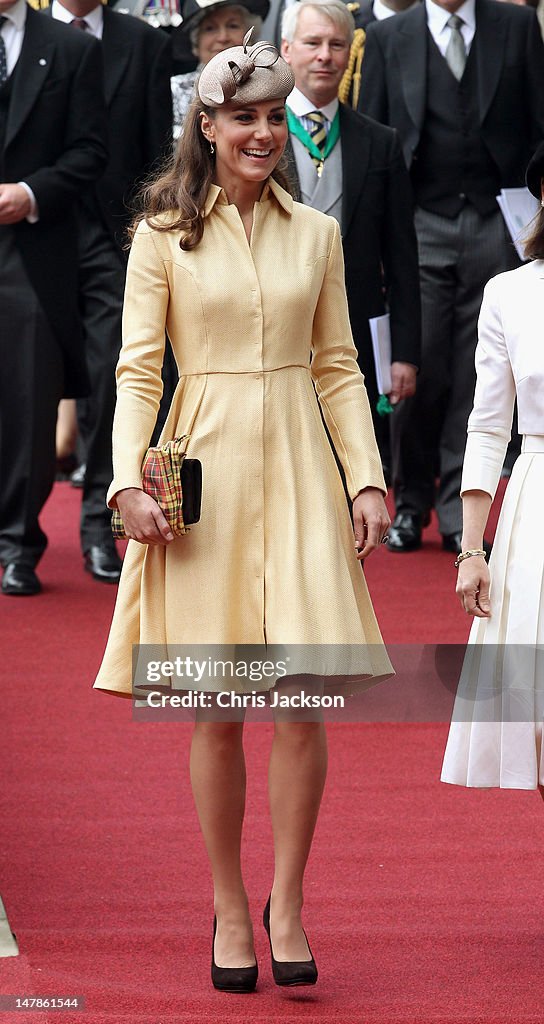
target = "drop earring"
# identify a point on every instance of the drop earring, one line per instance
(212, 151)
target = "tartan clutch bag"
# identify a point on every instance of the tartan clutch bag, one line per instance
(174, 481)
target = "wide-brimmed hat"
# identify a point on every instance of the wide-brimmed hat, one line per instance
(193, 11)
(535, 172)
(245, 74)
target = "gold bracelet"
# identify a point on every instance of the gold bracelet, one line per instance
(468, 554)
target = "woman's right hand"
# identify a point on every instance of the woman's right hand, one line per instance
(472, 588)
(142, 517)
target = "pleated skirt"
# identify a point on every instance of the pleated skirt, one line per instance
(495, 737)
(272, 561)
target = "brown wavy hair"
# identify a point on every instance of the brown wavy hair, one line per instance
(181, 188)
(534, 243)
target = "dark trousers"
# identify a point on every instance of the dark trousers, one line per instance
(31, 386)
(102, 281)
(456, 258)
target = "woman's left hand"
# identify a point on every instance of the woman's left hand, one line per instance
(370, 521)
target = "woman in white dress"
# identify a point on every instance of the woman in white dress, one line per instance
(495, 738)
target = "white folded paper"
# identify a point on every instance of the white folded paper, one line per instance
(518, 207)
(380, 332)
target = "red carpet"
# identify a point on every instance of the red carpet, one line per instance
(423, 901)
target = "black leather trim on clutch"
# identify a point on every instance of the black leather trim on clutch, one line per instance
(191, 487)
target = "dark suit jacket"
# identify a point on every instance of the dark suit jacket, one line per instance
(55, 141)
(380, 249)
(137, 68)
(510, 61)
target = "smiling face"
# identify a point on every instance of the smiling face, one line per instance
(224, 27)
(248, 141)
(318, 55)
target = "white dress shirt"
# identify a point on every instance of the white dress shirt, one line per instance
(437, 19)
(302, 106)
(13, 32)
(94, 19)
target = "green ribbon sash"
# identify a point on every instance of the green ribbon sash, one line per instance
(383, 406)
(297, 129)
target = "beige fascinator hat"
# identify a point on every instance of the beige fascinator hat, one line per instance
(245, 74)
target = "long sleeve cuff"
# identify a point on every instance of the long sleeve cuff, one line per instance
(34, 215)
(484, 459)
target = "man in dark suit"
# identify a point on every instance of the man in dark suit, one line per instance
(137, 67)
(52, 147)
(363, 182)
(463, 84)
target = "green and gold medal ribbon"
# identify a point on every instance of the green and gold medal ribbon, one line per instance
(318, 155)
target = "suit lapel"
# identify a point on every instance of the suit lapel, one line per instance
(412, 60)
(355, 143)
(32, 69)
(116, 50)
(490, 41)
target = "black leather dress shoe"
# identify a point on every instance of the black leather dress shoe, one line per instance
(77, 478)
(20, 580)
(405, 532)
(452, 542)
(103, 563)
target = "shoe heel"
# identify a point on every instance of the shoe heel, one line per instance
(290, 972)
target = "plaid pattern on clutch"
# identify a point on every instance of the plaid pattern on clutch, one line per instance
(162, 478)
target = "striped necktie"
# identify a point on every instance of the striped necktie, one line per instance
(3, 56)
(79, 23)
(318, 135)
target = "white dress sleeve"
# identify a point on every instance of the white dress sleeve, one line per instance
(490, 422)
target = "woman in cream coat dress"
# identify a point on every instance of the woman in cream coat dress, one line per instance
(495, 737)
(252, 295)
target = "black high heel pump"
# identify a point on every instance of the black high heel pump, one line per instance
(290, 972)
(232, 979)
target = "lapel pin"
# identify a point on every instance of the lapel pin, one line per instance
(42, 61)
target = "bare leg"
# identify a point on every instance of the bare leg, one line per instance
(218, 779)
(296, 779)
(66, 436)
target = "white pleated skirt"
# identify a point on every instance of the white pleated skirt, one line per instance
(495, 737)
